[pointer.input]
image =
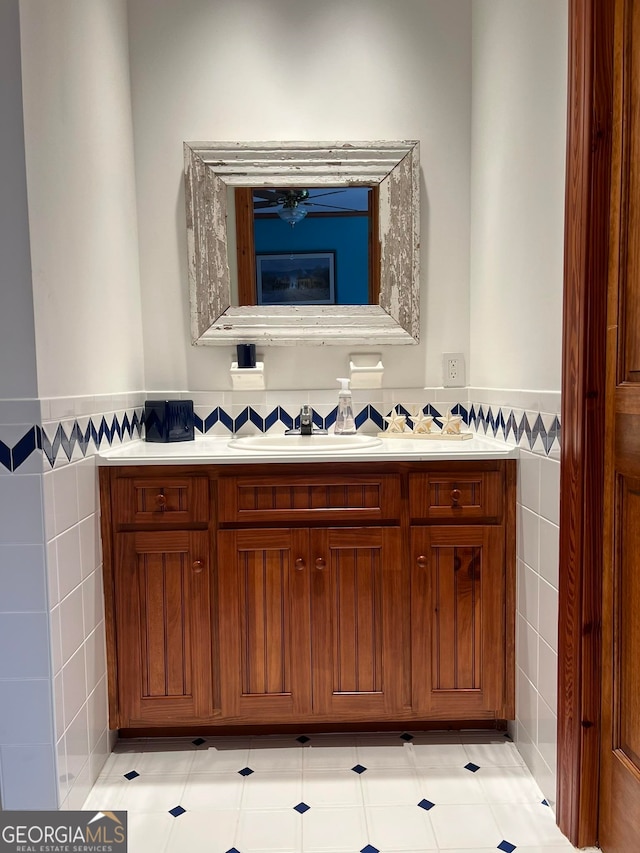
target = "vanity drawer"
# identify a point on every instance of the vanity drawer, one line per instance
(460, 497)
(167, 501)
(309, 499)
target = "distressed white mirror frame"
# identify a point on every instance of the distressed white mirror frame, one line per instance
(212, 167)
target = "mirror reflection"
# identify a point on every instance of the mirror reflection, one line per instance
(281, 182)
(306, 245)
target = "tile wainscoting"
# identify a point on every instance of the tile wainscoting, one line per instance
(48, 448)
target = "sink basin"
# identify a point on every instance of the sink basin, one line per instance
(304, 443)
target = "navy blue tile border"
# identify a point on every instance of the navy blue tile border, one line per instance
(60, 445)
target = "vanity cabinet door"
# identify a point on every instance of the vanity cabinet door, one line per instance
(264, 624)
(163, 627)
(458, 618)
(356, 616)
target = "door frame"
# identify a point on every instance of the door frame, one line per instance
(587, 200)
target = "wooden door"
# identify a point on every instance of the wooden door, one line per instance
(263, 589)
(620, 745)
(163, 635)
(356, 617)
(458, 617)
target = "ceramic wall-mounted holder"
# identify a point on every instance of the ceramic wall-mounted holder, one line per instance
(366, 370)
(247, 378)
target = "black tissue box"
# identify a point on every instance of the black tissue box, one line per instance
(168, 420)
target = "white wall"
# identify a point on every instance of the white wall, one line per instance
(517, 192)
(82, 220)
(82, 213)
(517, 243)
(298, 69)
(17, 340)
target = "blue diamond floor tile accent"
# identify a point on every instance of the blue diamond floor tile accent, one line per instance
(544, 803)
(358, 768)
(369, 849)
(301, 808)
(198, 741)
(506, 847)
(233, 850)
(177, 811)
(246, 771)
(303, 739)
(406, 736)
(132, 774)
(426, 805)
(472, 767)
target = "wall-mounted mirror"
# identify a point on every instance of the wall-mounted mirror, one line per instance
(296, 290)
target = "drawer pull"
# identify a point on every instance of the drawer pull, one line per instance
(321, 564)
(456, 494)
(198, 566)
(422, 561)
(300, 564)
(161, 500)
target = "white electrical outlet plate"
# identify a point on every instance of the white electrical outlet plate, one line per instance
(453, 373)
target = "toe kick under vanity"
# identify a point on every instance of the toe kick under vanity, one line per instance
(270, 589)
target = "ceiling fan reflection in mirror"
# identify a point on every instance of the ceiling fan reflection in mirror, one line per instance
(292, 204)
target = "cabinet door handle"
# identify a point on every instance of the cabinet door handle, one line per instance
(161, 500)
(300, 564)
(198, 566)
(456, 494)
(321, 564)
(422, 561)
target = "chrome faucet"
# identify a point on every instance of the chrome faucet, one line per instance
(306, 420)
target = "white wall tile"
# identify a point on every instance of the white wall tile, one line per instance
(49, 505)
(58, 705)
(65, 494)
(74, 685)
(550, 490)
(71, 623)
(69, 565)
(95, 657)
(548, 614)
(548, 674)
(22, 578)
(528, 593)
(547, 732)
(529, 481)
(21, 512)
(89, 529)
(527, 649)
(56, 639)
(28, 777)
(92, 601)
(53, 588)
(86, 473)
(27, 636)
(549, 551)
(77, 738)
(26, 712)
(97, 716)
(526, 704)
(528, 536)
(63, 776)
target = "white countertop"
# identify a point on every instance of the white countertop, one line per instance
(220, 450)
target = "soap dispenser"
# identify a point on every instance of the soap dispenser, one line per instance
(345, 422)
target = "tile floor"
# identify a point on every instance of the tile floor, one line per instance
(448, 791)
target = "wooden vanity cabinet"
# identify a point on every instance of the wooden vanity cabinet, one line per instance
(311, 615)
(462, 533)
(158, 603)
(281, 593)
